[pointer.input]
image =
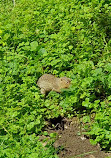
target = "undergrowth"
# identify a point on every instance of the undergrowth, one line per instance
(66, 38)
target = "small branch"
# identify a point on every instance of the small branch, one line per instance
(91, 152)
(6, 130)
(13, 3)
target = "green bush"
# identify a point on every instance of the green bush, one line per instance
(65, 38)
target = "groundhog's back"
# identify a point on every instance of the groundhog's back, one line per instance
(46, 79)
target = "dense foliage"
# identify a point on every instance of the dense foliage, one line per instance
(66, 38)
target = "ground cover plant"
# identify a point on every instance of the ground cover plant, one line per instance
(66, 38)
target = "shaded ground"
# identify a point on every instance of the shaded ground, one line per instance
(75, 146)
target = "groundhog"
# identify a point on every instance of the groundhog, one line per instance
(48, 82)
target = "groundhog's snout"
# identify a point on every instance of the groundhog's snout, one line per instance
(68, 84)
(65, 82)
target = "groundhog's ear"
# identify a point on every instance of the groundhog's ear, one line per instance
(61, 79)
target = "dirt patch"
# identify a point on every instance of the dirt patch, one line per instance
(74, 145)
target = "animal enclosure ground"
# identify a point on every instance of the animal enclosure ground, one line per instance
(75, 145)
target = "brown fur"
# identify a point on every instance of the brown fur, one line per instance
(48, 82)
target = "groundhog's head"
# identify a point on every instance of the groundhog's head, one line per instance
(65, 82)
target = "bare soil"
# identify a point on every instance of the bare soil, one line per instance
(74, 145)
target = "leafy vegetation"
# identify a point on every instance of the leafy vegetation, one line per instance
(71, 38)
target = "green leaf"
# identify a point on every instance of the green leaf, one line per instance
(43, 52)
(70, 47)
(93, 142)
(86, 102)
(34, 45)
(45, 133)
(53, 135)
(108, 67)
(30, 125)
(86, 119)
(109, 97)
